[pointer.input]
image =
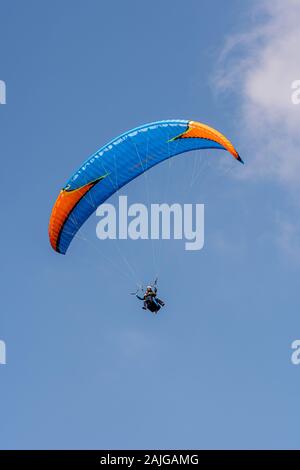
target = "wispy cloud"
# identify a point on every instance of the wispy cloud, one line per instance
(259, 66)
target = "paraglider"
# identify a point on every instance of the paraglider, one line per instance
(150, 300)
(116, 164)
(119, 162)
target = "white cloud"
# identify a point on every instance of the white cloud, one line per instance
(259, 67)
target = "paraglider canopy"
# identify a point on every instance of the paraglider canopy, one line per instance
(119, 162)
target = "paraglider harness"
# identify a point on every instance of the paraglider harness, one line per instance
(151, 301)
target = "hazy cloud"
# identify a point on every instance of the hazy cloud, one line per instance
(259, 67)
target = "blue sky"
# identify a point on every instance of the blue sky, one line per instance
(86, 367)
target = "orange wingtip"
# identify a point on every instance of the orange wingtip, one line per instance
(63, 206)
(203, 131)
